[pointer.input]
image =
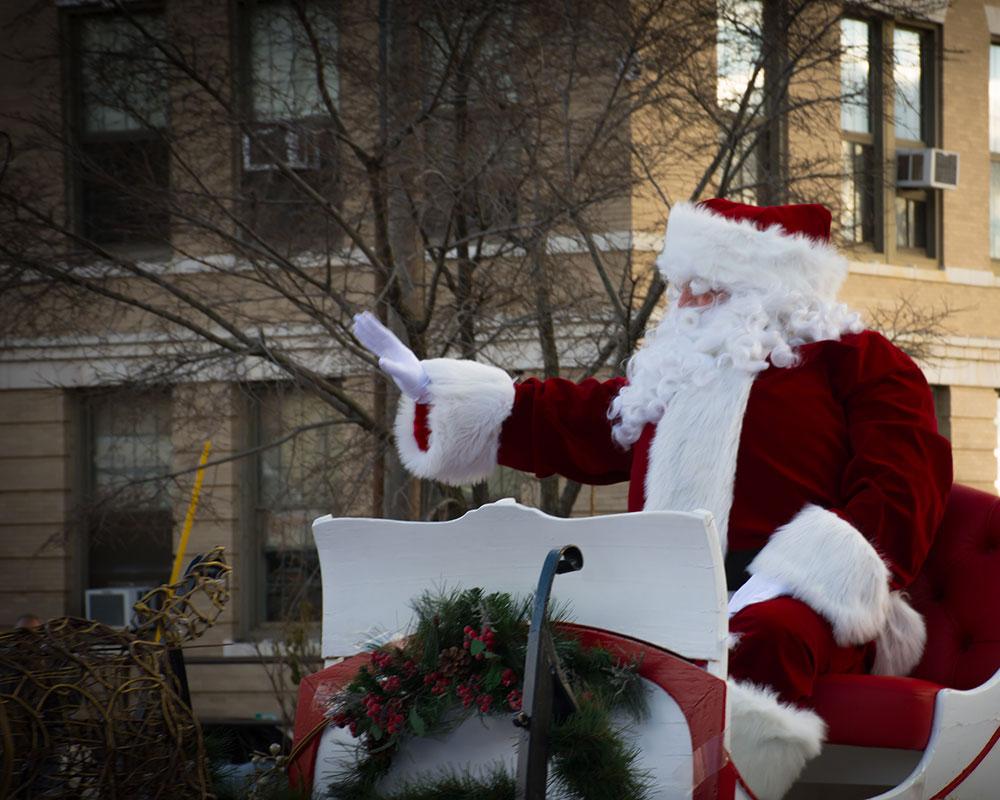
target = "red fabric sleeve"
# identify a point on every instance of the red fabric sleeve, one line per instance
(897, 482)
(558, 427)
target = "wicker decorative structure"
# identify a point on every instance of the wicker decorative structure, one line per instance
(87, 711)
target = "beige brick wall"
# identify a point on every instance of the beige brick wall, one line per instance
(35, 439)
(974, 436)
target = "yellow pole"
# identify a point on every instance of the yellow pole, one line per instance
(199, 476)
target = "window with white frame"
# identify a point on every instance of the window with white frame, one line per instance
(913, 122)
(309, 463)
(290, 94)
(739, 93)
(119, 102)
(994, 110)
(874, 100)
(128, 512)
(857, 221)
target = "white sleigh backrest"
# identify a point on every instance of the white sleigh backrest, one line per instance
(656, 576)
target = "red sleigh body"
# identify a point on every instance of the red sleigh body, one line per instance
(932, 735)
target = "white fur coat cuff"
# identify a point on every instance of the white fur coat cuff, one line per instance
(469, 402)
(829, 565)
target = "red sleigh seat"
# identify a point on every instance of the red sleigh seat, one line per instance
(958, 593)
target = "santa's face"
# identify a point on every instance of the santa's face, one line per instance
(688, 298)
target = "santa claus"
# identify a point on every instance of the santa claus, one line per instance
(760, 398)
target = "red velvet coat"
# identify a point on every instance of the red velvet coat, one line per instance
(851, 428)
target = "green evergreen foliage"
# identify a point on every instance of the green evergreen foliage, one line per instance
(466, 656)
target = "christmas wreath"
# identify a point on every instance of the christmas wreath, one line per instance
(466, 656)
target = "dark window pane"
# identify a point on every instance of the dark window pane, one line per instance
(129, 518)
(278, 209)
(130, 548)
(908, 77)
(294, 588)
(283, 61)
(131, 443)
(124, 191)
(855, 75)
(857, 220)
(911, 222)
(310, 473)
(286, 98)
(122, 76)
(942, 409)
(123, 166)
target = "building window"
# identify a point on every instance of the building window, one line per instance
(858, 194)
(942, 408)
(120, 102)
(909, 103)
(127, 508)
(740, 83)
(289, 123)
(913, 122)
(995, 151)
(307, 467)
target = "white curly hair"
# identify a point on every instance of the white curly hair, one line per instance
(692, 345)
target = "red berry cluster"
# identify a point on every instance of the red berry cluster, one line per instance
(439, 683)
(485, 635)
(386, 716)
(469, 693)
(392, 685)
(381, 660)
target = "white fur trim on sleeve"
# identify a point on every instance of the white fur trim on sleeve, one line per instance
(900, 645)
(830, 566)
(469, 402)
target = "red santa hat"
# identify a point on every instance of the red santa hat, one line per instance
(738, 247)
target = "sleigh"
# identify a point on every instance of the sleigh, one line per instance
(652, 589)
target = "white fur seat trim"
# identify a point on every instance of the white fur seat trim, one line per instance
(770, 741)
(469, 403)
(829, 565)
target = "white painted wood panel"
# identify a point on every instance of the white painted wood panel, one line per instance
(656, 576)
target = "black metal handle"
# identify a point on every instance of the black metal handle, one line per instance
(545, 685)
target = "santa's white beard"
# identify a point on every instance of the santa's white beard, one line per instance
(695, 346)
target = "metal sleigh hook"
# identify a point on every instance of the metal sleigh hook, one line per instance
(547, 694)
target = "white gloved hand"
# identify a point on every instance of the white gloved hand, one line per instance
(756, 590)
(395, 358)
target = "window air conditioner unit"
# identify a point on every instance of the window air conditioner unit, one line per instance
(297, 147)
(113, 607)
(927, 168)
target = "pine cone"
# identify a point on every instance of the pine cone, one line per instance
(453, 661)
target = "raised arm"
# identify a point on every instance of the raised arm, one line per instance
(458, 420)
